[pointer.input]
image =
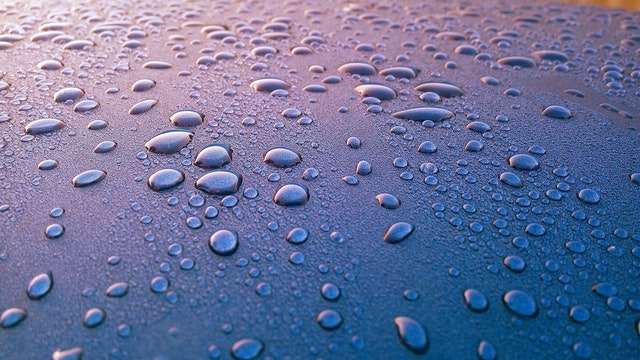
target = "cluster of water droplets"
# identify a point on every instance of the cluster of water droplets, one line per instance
(384, 172)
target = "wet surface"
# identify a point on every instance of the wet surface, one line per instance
(334, 180)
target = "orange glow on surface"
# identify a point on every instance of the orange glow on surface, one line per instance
(620, 4)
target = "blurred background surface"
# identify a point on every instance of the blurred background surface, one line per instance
(621, 4)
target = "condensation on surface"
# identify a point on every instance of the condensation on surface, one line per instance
(319, 180)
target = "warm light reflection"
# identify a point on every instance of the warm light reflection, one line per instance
(621, 4)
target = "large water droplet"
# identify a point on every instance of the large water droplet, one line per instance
(519, 61)
(520, 303)
(412, 334)
(297, 235)
(329, 319)
(224, 242)
(66, 94)
(247, 349)
(142, 106)
(219, 183)
(186, 118)
(269, 85)
(12, 317)
(291, 195)
(511, 179)
(169, 142)
(388, 201)
(524, 162)
(43, 126)
(88, 177)
(165, 179)
(214, 156)
(117, 290)
(398, 232)
(589, 196)
(424, 113)
(94, 317)
(377, 91)
(399, 72)
(557, 112)
(281, 157)
(143, 85)
(443, 89)
(40, 286)
(357, 68)
(475, 300)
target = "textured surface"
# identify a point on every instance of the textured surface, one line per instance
(532, 256)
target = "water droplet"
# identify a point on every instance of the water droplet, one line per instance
(329, 319)
(69, 354)
(117, 290)
(412, 334)
(12, 317)
(269, 85)
(398, 232)
(169, 142)
(474, 146)
(424, 113)
(247, 349)
(388, 201)
(159, 284)
(47, 164)
(157, 65)
(475, 300)
(377, 91)
(520, 303)
(85, 106)
(511, 179)
(357, 68)
(579, 313)
(219, 182)
(427, 147)
(519, 61)
(186, 118)
(214, 156)
(486, 351)
(535, 229)
(50, 65)
(399, 72)
(97, 125)
(589, 196)
(54, 231)
(40, 286)
(68, 94)
(165, 179)
(291, 195)
(550, 55)
(94, 317)
(363, 168)
(281, 157)
(523, 162)
(88, 177)
(43, 126)
(478, 126)
(557, 112)
(105, 147)
(142, 106)
(443, 89)
(297, 235)
(514, 263)
(143, 85)
(330, 292)
(224, 242)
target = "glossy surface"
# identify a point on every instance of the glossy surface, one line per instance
(318, 180)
